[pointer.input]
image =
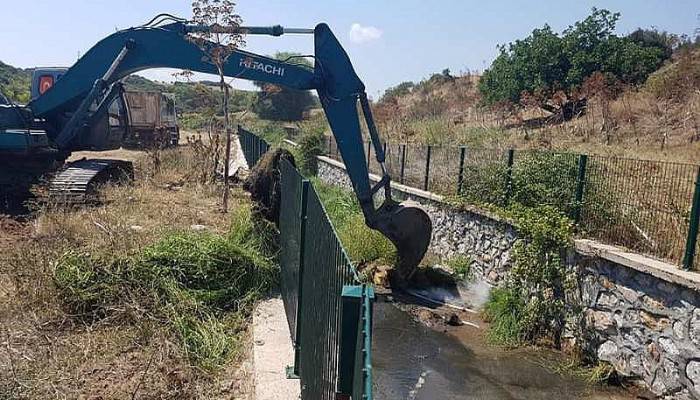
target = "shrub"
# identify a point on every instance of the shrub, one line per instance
(504, 311)
(461, 266)
(310, 147)
(536, 285)
(545, 178)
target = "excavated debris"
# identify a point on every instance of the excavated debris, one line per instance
(263, 184)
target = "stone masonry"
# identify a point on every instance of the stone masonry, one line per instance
(638, 314)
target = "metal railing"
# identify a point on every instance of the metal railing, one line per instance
(652, 207)
(329, 311)
(253, 146)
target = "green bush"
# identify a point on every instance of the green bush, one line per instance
(504, 312)
(536, 285)
(461, 266)
(310, 147)
(545, 178)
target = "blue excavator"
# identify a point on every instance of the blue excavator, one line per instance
(83, 108)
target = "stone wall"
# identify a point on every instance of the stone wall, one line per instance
(638, 314)
(482, 237)
(645, 326)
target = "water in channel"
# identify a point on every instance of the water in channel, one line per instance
(414, 362)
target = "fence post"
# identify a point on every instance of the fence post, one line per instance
(580, 185)
(692, 242)
(509, 176)
(427, 168)
(293, 372)
(350, 317)
(356, 318)
(460, 177)
(403, 161)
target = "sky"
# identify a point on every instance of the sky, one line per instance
(389, 41)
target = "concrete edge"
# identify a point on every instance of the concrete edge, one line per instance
(657, 268)
(272, 353)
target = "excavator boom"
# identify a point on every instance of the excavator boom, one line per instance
(92, 80)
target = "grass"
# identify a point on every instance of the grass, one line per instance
(187, 280)
(362, 244)
(128, 296)
(504, 310)
(460, 266)
(598, 373)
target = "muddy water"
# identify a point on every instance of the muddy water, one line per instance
(414, 362)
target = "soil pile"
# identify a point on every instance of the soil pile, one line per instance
(263, 184)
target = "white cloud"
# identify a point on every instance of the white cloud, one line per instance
(363, 34)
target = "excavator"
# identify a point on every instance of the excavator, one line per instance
(83, 108)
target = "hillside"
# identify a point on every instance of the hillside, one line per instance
(659, 119)
(15, 82)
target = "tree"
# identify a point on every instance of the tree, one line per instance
(217, 44)
(552, 67)
(664, 41)
(399, 90)
(281, 103)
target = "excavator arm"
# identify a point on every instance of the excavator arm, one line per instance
(339, 89)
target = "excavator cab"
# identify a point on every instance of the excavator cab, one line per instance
(108, 124)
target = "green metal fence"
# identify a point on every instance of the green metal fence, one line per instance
(651, 207)
(329, 311)
(253, 146)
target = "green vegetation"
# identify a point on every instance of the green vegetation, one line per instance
(200, 285)
(281, 103)
(461, 266)
(504, 311)
(530, 307)
(15, 83)
(311, 145)
(362, 244)
(552, 68)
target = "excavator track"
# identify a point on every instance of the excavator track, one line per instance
(78, 181)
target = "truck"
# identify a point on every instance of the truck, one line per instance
(152, 119)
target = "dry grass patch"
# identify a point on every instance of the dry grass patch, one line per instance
(147, 295)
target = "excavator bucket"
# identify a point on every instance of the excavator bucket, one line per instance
(409, 228)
